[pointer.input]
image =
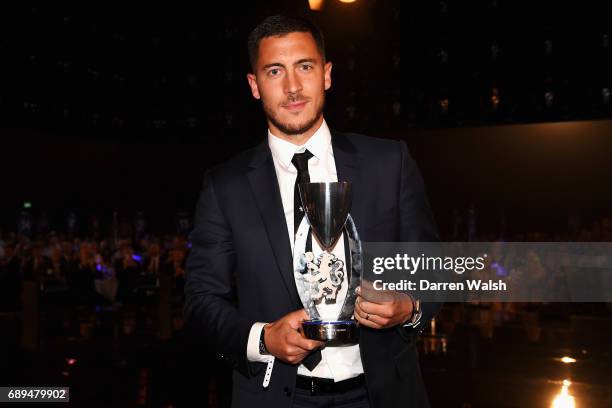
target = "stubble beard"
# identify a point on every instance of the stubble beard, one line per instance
(293, 129)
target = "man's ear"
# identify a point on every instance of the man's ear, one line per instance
(253, 84)
(327, 75)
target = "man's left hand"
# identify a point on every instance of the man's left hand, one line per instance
(382, 309)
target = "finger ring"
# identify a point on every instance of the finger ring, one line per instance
(367, 316)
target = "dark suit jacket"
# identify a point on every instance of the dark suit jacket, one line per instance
(240, 267)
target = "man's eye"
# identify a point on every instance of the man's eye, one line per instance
(306, 67)
(274, 72)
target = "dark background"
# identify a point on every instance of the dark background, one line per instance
(110, 110)
(122, 108)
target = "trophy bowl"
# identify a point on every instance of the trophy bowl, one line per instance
(320, 278)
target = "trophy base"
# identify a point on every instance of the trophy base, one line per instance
(333, 333)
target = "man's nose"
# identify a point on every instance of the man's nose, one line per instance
(292, 83)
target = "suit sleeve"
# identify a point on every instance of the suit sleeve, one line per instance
(210, 298)
(417, 222)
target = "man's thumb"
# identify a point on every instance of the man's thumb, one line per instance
(297, 317)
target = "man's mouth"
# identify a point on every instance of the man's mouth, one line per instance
(295, 106)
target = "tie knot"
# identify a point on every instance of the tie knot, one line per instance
(300, 161)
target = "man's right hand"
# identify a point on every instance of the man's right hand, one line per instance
(285, 341)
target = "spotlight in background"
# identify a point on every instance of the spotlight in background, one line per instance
(564, 399)
(567, 360)
(315, 4)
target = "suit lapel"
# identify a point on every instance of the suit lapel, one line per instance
(348, 166)
(266, 194)
(264, 185)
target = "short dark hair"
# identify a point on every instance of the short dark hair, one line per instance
(281, 25)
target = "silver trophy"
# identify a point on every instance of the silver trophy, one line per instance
(320, 278)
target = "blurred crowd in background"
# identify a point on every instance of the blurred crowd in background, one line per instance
(121, 268)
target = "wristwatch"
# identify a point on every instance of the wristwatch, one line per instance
(262, 343)
(417, 313)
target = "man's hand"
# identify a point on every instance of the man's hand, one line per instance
(381, 309)
(285, 341)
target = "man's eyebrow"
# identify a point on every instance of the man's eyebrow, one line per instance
(298, 62)
(274, 64)
(303, 60)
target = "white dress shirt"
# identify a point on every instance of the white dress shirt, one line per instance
(338, 363)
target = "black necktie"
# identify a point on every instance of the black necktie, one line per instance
(300, 161)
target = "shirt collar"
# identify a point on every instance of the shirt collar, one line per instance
(318, 144)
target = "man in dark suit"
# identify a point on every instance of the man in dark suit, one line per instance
(240, 290)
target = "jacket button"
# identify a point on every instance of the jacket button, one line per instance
(287, 391)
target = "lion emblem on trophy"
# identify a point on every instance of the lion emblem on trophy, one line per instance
(326, 273)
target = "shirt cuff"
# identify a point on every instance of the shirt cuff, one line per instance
(253, 354)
